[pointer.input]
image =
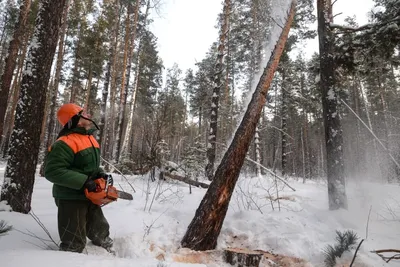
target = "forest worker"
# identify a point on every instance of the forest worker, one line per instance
(72, 164)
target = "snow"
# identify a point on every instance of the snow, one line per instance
(331, 94)
(144, 229)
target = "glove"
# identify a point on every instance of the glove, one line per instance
(90, 185)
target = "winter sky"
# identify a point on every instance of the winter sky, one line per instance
(186, 28)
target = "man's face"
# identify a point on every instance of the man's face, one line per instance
(85, 123)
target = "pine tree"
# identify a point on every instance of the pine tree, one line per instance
(217, 84)
(330, 102)
(11, 60)
(19, 178)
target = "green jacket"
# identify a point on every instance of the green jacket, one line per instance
(70, 161)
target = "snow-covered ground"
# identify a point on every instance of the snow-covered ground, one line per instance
(147, 231)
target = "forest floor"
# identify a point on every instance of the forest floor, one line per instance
(147, 231)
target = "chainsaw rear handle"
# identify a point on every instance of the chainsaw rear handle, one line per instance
(107, 177)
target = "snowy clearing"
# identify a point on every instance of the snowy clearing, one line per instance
(148, 230)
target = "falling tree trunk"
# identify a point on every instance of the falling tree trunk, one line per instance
(332, 124)
(203, 231)
(19, 178)
(11, 60)
(219, 68)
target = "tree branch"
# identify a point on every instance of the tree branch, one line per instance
(355, 253)
(185, 180)
(364, 27)
(385, 258)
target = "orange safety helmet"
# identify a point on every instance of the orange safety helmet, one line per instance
(66, 112)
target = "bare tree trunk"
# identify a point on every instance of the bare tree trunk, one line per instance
(88, 89)
(19, 178)
(13, 98)
(110, 68)
(203, 231)
(50, 137)
(284, 127)
(123, 92)
(332, 123)
(219, 68)
(11, 60)
(75, 71)
(123, 124)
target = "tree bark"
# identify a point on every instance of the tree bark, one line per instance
(284, 127)
(203, 231)
(19, 178)
(219, 68)
(332, 123)
(50, 137)
(110, 67)
(75, 71)
(243, 257)
(11, 60)
(125, 73)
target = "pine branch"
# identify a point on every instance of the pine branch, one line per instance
(345, 242)
(369, 26)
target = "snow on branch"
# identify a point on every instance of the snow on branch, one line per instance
(369, 26)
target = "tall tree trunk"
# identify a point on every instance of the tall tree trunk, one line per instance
(219, 68)
(284, 128)
(203, 231)
(122, 120)
(19, 178)
(110, 67)
(14, 95)
(332, 123)
(50, 136)
(75, 71)
(88, 88)
(257, 149)
(110, 136)
(125, 72)
(11, 60)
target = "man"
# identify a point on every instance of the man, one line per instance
(72, 164)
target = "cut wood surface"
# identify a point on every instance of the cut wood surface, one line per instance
(242, 257)
(217, 257)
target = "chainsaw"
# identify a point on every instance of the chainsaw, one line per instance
(105, 192)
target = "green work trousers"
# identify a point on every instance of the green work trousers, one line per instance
(78, 219)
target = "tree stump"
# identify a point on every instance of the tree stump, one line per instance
(242, 257)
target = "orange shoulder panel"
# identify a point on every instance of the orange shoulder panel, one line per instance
(78, 142)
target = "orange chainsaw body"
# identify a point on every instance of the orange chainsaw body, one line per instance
(105, 193)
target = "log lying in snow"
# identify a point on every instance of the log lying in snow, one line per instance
(185, 180)
(219, 256)
(243, 257)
